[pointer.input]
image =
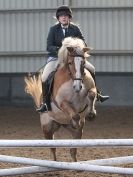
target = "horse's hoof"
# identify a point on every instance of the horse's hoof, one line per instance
(91, 116)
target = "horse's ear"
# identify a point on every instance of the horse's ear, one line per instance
(70, 49)
(87, 49)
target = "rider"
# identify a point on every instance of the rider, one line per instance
(64, 28)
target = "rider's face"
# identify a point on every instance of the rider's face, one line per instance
(64, 19)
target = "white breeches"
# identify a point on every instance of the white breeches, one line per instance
(52, 65)
(49, 67)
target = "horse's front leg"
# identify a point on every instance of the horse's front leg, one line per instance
(91, 114)
(72, 116)
(49, 127)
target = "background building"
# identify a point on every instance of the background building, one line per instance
(106, 24)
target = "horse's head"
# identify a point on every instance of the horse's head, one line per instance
(72, 55)
(76, 61)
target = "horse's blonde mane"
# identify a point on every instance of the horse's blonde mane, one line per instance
(69, 42)
(34, 88)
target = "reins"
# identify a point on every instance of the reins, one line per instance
(83, 109)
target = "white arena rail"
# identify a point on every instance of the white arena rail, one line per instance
(101, 165)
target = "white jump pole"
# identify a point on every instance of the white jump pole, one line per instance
(111, 161)
(25, 170)
(37, 169)
(66, 166)
(66, 143)
(45, 166)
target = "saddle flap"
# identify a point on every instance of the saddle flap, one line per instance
(49, 83)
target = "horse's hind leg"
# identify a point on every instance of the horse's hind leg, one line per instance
(49, 130)
(76, 134)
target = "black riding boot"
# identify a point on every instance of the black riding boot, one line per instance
(45, 106)
(99, 96)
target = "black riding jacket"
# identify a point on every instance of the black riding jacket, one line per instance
(56, 36)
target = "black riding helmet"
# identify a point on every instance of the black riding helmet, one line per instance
(63, 10)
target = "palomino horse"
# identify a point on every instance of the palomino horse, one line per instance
(73, 94)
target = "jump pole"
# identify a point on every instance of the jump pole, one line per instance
(66, 165)
(66, 143)
(37, 169)
(45, 165)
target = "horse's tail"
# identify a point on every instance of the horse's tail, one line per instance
(34, 88)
